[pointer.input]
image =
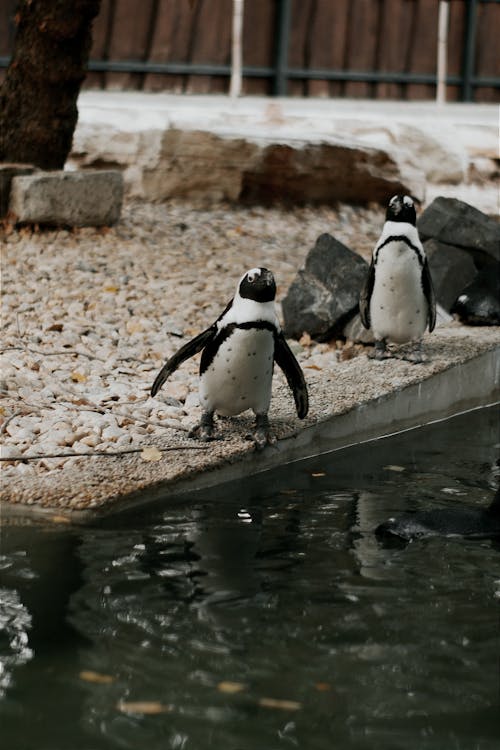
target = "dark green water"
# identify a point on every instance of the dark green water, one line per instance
(276, 583)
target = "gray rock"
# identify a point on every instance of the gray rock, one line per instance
(456, 223)
(325, 294)
(451, 269)
(355, 331)
(7, 172)
(90, 198)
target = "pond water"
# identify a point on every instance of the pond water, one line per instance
(265, 614)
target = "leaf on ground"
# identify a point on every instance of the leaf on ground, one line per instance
(284, 705)
(227, 686)
(150, 453)
(393, 467)
(143, 707)
(305, 340)
(111, 289)
(323, 687)
(96, 677)
(58, 327)
(78, 377)
(312, 367)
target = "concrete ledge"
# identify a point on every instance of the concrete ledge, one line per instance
(91, 198)
(464, 373)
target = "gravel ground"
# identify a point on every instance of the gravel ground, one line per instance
(90, 315)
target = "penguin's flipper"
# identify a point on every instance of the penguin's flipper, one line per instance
(285, 359)
(185, 352)
(366, 295)
(429, 294)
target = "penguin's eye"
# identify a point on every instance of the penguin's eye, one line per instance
(251, 277)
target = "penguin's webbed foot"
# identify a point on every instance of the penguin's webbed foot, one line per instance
(415, 355)
(205, 429)
(262, 435)
(379, 351)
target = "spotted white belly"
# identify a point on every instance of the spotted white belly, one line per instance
(240, 375)
(398, 308)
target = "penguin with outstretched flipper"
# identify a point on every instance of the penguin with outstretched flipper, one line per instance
(238, 355)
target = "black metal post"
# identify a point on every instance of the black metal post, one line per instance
(469, 50)
(281, 50)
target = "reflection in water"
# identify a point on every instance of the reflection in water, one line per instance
(15, 621)
(280, 588)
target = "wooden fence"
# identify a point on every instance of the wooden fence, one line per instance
(332, 48)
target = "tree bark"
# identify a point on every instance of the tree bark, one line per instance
(38, 111)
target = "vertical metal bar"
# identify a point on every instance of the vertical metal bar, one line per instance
(469, 50)
(281, 50)
(442, 51)
(236, 50)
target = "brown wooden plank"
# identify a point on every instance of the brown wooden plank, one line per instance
(392, 45)
(298, 53)
(327, 44)
(100, 40)
(487, 55)
(129, 40)
(456, 31)
(171, 43)
(211, 44)
(258, 43)
(361, 49)
(423, 55)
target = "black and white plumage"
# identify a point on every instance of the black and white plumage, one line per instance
(397, 301)
(238, 355)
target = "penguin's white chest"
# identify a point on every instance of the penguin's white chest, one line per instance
(240, 375)
(398, 308)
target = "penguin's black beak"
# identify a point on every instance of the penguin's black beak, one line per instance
(259, 286)
(265, 286)
(395, 206)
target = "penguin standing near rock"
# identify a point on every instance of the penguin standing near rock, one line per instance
(397, 301)
(237, 361)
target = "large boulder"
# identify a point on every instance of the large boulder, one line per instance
(456, 223)
(451, 269)
(251, 164)
(325, 294)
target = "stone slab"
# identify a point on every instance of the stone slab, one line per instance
(64, 198)
(136, 130)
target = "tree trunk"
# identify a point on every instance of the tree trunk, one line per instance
(38, 111)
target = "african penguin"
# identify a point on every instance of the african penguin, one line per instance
(479, 303)
(397, 301)
(455, 521)
(237, 361)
